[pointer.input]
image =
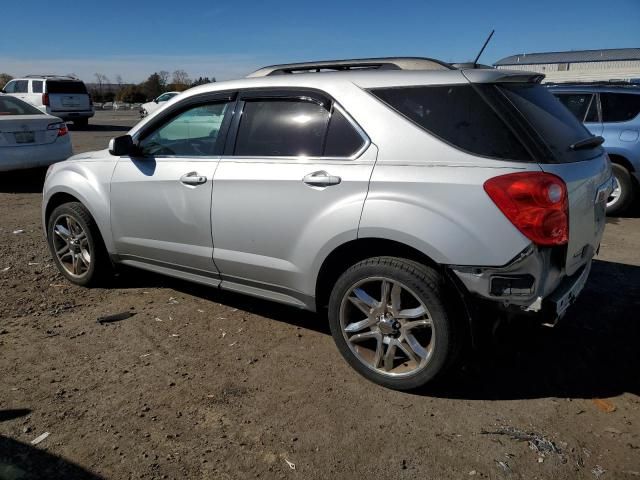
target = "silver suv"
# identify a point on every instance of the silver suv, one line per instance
(403, 197)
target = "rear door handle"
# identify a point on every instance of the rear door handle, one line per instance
(192, 178)
(321, 179)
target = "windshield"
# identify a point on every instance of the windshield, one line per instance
(65, 86)
(13, 106)
(551, 120)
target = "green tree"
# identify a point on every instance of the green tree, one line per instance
(131, 94)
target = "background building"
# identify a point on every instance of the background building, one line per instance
(616, 64)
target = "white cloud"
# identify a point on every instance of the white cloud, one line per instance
(136, 68)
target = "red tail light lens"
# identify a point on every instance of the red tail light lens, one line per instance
(535, 202)
(90, 101)
(45, 99)
(61, 127)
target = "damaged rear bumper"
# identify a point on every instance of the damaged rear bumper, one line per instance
(534, 283)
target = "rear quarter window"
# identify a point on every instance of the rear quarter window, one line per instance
(458, 115)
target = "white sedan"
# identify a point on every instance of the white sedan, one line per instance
(152, 106)
(30, 138)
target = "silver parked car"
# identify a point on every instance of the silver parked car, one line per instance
(30, 138)
(401, 196)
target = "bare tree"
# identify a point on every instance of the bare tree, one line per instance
(180, 77)
(101, 79)
(164, 78)
(119, 80)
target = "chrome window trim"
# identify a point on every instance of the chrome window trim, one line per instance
(303, 158)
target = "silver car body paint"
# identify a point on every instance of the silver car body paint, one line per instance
(255, 227)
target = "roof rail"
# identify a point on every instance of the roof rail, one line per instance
(633, 83)
(387, 63)
(69, 77)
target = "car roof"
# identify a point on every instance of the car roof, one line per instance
(366, 79)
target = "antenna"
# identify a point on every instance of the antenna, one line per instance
(475, 62)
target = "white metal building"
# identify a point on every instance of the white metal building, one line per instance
(616, 64)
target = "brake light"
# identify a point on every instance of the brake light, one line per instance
(45, 99)
(535, 202)
(61, 127)
(90, 101)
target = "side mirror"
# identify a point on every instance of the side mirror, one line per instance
(120, 146)
(155, 100)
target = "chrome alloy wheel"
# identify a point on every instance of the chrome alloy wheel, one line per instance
(71, 245)
(615, 194)
(397, 336)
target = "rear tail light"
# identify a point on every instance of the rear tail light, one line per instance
(61, 127)
(535, 202)
(90, 101)
(45, 99)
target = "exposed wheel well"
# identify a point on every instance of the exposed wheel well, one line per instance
(352, 252)
(56, 200)
(620, 160)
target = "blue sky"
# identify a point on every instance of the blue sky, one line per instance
(229, 39)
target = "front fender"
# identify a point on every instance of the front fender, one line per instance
(89, 182)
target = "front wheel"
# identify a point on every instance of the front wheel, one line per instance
(76, 246)
(389, 320)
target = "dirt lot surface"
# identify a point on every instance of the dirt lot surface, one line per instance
(201, 384)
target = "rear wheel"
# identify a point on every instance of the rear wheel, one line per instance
(622, 194)
(76, 245)
(389, 320)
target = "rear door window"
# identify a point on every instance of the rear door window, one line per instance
(65, 86)
(458, 115)
(282, 128)
(619, 107)
(36, 86)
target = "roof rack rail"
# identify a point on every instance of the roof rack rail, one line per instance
(633, 83)
(387, 63)
(70, 77)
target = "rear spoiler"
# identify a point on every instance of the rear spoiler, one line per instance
(502, 76)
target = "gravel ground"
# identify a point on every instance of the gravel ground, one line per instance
(196, 383)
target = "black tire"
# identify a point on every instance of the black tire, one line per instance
(427, 286)
(99, 269)
(625, 198)
(81, 123)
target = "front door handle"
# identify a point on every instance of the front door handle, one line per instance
(192, 178)
(321, 179)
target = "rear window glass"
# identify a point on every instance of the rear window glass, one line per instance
(274, 128)
(14, 106)
(619, 107)
(458, 115)
(57, 86)
(556, 126)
